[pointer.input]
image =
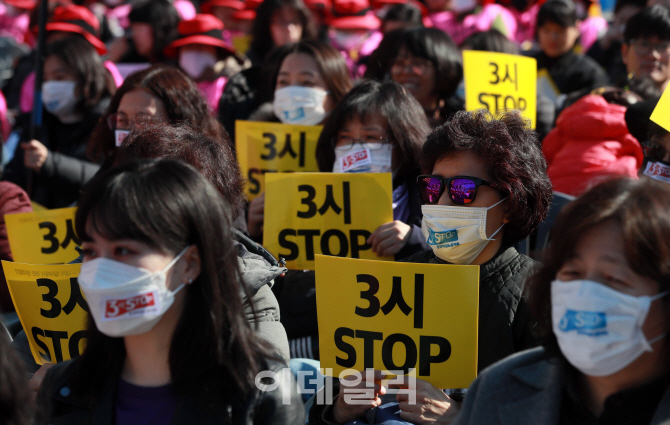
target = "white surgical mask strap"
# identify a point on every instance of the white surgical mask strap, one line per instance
(175, 259)
(659, 295)
(496, 204)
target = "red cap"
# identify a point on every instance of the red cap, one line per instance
(80, 20)
(322, 6)
(245, 15)
(206, 7)
(22, 4)
(353, 14)
(253, 4)
(202, 29)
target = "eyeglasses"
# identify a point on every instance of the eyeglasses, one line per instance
(653, 151)
(416, 65)
(346, 142)
(643, 47)
(462, 189)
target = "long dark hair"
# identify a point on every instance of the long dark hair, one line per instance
(640, 209)
(94, 81)
(163, 18)
(330, 62)
(406, 124)
(14, 398)
(180, 96)
(168, 205)
(261, 36)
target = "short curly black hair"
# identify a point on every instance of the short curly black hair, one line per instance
(512, 155)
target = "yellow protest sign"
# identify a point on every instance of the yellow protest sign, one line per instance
(417, 318)
(51, 307)
(661, 113)
(241, 43)
(498, 81)
(43, 237)
(264, 147)
(324, 213)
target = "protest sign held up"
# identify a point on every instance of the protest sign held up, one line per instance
(324, 213)
(43, 237)
(264, 147)
(51, 307)
(498, 81)
(399, 316)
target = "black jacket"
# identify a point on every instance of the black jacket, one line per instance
(505, 323)
(62, 406)
(572, 72)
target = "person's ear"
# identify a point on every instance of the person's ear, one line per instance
(624, 53)
(192, 264)
(506, 213)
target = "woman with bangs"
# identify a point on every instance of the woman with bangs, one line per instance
(157, 241)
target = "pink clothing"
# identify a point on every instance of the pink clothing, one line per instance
(590, 141)
(354, 55)
(120, 14)
(5, 128)
(28, 87)
(591, 29)
(185, 9)
(14, 26)
(526, 23)
(212, 91)
(487, 17)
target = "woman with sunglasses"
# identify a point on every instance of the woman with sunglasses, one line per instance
(485, 188)
(601, 302)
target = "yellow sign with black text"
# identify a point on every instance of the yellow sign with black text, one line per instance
(43, 237)
(498, 81)
(266, 147)
(324, 213)
(51, 307)
(420, 319)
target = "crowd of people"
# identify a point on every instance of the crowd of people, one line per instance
(138, 101)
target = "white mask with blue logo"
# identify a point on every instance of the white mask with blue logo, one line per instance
(599, 329)
(456, 234)
(300, 105)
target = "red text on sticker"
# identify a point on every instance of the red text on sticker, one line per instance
(116, 308)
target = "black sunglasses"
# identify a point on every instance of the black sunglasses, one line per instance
(461, 189)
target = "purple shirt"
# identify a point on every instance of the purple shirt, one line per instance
(144, 405)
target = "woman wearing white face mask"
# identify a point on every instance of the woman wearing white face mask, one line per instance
(76, 90)
(485, 188)
(205, 57)
(168, 342)
(311, 79)
(601, 302)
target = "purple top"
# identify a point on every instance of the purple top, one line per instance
(144, 405)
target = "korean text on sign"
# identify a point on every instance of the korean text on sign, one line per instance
(43, 237)
(417, 318)
(51, 307)
(324, 213)
(264, 147)
(498, 81)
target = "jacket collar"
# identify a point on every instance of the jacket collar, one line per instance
(541, 402)
(504, 256)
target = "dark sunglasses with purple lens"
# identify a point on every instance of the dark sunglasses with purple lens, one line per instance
(461, 189)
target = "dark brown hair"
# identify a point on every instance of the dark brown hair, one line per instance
(214, 159)
(639, 208)
(512, 155)
(180, 96)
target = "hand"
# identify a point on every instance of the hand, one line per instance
(35, 382)
(352, 402)
(390, 238)
(431, 406)
(256, 216)
(35, 154)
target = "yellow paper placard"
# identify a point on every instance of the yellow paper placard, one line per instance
(498, 81)
(241, 43)
(661, 113)
(51, 307)
(399, 316)
(264, 147)
(324, 213)
(43, 237)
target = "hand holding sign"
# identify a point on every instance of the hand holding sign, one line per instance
(358, 393)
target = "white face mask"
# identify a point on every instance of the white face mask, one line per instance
(59, 98)
(194, 63)
(348, 40)
(364, 158)
(658, 171)
(462, 6)
(599, 329)
(120, 136)
(456, 234)
(123, 299)
(300, 105)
